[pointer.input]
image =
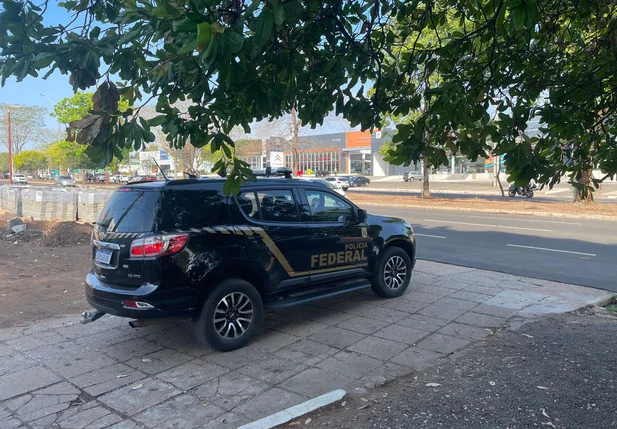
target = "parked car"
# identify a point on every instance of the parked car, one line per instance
(340, 182)
(357, 181)
(327, 184)
(20, 178)
(65, 181)
(5, 175)
(411, 177)
(90, 177)
(276, 244)
(119, 178)
(100, 177)
(322, 173)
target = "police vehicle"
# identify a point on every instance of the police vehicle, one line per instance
(184, 248)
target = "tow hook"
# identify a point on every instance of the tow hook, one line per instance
(91, 316)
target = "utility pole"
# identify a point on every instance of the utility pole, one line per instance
(8, 111)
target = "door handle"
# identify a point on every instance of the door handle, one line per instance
(320, 235)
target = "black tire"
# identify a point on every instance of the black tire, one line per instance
(529, 194)
(379, 281)
(512, 193)
(207, 330)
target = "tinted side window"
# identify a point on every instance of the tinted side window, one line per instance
(326, 207)
(248, 204)
(182, 209)
(277, 206)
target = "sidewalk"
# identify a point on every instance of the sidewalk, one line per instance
(556, 373)
(61, 374)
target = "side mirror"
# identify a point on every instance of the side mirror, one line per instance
(362, 215)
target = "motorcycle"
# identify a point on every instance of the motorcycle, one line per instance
(524, 191)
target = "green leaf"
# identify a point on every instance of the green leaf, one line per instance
(234, 41)
(44, 59)
(157, 120)
(217, 28)
(183, 26)
(264, 26)
(188, 47)
(204, 34)
(279, 12)
(518, 17)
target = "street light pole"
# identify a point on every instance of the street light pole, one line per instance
(8, 111)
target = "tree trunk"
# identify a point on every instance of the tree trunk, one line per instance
(294, 141)
(585, 194)
(426, 192)
(497, 178)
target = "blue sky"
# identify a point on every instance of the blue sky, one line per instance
(29, 90)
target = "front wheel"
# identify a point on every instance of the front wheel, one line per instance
(512, 193)
(230, 316)
(393, 273)
(529, 194)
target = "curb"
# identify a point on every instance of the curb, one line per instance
(296, 411)
(498, 211)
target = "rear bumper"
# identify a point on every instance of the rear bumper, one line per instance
(110, 299)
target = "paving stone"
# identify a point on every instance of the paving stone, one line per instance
(42, 403)
(336, 337)
(131, 401)
(90, 415)
(492, 310)
(410, 307)
(184, 411)
(71, 365)
(301, 328)
(536, 310)
(424, 323)
(176, 336)
(230, 390)
(458, 304)
(19, 382)
(485, 290)
(442, 343)
(271, 341)
(5, 351)
(427, 298)
(35, 340)
(272, 320)
(385, 314)
(131, 349)
(159, 361)
(262, 405)
(466, 332)
(106, 379)
(226, 421)
(378, 348)
(353, 307)
(314, 382)
(47, 353)
(330, 317)
(402, 334)
(272, 369)
(515, 299)
(191, 374)
(482, 320)
(440, 269)
(442, 312)
(452, 283)
(350, 364)
(385, 372)
(470, 296)
(125, 424)
(306, 352)
(7, 421)
(416, 358)
(515, 284)
(13, 362)
(423, 277)
(363, 325)
(435, 290)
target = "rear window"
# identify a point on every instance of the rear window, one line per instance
(130, 211)
(182, 209)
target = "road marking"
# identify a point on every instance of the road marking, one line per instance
(491, 226)
(431, 236)
(551, 250)
(555, 191)
(526, 220)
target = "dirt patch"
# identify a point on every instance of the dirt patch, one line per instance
(606, 211)
(46, 233)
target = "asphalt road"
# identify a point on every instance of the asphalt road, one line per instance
(578, 251)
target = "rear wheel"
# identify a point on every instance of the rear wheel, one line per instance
(512, 193)
(393, 273)
(529, 194)
(230, 315)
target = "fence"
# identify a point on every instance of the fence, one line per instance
(54, 204)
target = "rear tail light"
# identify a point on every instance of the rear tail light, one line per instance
(158, 245)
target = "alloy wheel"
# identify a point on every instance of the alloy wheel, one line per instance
(395, 272)
(233, 315)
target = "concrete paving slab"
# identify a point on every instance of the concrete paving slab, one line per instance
(402, 334)
(26, 380)
(442, 343)
(416, 358)
(191, 374)
(135, 398)
(378, 348)
(350, 364)
(269, 402)
(183, 411)
(316, 381)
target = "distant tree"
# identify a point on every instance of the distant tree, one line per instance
(27, 125)
(73, 108)
(31, 161)
(67, 155)
(4, 162)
